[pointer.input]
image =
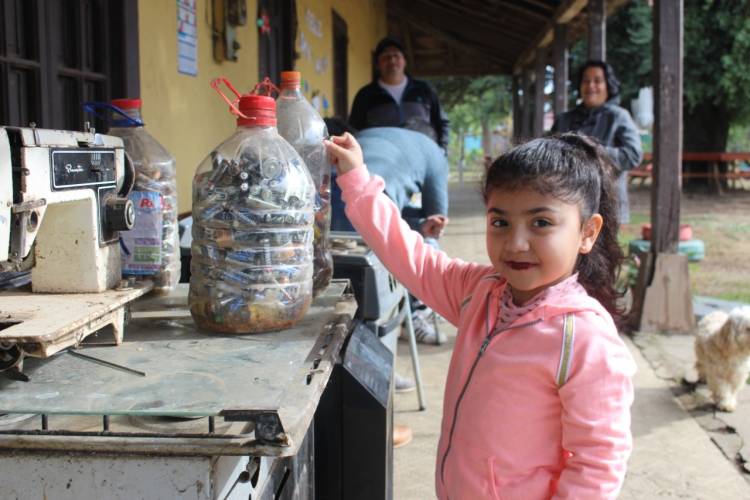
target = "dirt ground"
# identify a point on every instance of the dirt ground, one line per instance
(722, 223)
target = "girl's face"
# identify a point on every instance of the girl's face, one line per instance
(594, 87)
(533, 240)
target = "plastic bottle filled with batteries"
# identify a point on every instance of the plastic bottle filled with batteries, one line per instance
(301, 125)
(152, 247)
(253, 215)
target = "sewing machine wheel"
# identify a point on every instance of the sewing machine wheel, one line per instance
(128, 180)
(10, 356)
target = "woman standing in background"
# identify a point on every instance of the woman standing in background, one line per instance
(600, 116)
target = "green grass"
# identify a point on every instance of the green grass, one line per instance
(722, 223)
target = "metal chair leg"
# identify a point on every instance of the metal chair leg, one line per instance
(413, 351)
(436, 326)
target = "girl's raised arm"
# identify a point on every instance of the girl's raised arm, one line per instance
(439, 281)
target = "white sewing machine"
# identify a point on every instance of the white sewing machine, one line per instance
(63, 194)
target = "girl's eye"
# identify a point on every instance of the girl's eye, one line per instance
(498, 223)
(542, 223)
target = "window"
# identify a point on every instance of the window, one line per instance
(56, 54)
(276, 49)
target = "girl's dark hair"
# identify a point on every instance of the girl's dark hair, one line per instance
(613, 84)
(573, 168)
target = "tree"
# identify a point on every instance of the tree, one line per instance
(475, 102)
(717, 71)
(716, 67)
(629, 34)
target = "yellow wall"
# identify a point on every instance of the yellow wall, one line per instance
(188, 117)
(366, 25)
(183, 112)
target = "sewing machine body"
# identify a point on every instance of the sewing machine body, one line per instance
(62, 203)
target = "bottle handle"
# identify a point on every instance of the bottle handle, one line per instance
(232, 104)
(267, 85)
(94, 107)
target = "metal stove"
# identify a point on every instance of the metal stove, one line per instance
(174, 412)
(383, 302)
(380, 298)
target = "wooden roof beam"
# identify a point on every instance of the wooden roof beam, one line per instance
(435, 9)
(540, 4)
(430, 29)
(482, 18)
(500, 12)
(512, 5)
(564, 13)
(407, 40)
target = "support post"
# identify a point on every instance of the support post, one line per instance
(597, 12)
(526, 108)
(517, 108)
(560, 62)
(540, 67)
(664, 297)
(666, 188)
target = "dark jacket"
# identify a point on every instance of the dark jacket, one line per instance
(419, 110)
(615, 130)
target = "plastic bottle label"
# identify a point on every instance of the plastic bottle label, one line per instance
(141, 247)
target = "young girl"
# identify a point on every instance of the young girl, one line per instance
(538, 394)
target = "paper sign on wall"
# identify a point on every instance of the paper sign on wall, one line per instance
(187, 37)
(313, 23)
(304, 46)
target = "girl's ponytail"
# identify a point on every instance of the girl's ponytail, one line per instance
(597, 270)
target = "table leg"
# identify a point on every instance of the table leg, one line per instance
(716, 176)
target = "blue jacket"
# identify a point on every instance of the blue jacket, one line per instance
(410, 163)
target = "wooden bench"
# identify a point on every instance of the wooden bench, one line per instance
(733, 159)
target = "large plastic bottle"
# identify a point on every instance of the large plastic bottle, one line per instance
(155, 186)
(253, 201)
(304, 129)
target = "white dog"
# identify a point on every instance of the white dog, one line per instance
(722, 352)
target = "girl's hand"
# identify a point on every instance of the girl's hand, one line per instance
(345, 152)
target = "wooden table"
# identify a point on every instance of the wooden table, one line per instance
(712, 158)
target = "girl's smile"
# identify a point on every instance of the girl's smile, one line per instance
(534, 240)
(519, 266)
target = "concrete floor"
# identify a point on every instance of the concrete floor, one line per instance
(673, 456)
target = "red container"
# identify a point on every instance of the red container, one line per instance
(686, 232)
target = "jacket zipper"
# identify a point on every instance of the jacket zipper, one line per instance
(485, 344)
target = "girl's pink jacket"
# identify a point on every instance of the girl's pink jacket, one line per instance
(508, 430)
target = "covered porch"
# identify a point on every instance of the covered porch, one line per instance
(525, 39)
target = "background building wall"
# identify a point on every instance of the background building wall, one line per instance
(190, 119)
(366, 25)
(183, 112)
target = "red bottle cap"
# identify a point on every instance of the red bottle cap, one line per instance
(259, 110)
(290, 79)
(127, 103)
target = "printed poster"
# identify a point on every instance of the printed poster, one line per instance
(187, 37)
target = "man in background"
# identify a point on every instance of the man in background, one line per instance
(395, 99)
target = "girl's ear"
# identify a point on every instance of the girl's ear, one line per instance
(590, 232)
